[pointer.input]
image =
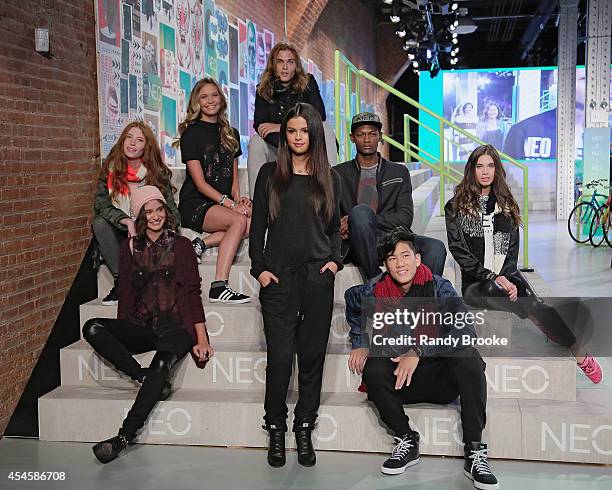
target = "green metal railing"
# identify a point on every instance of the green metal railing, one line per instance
(411, 151)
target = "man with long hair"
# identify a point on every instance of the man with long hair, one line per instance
(283, 84)
(376, 198)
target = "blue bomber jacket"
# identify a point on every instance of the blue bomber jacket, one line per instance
(355, 296)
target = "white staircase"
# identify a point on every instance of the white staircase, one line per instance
(534, 409)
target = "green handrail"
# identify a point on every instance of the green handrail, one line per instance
(446, 172)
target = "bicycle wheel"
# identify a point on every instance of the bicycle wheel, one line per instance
(579, 221)
(607, 229)
(596, 235)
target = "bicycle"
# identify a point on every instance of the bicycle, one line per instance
(602, 221)
(579, 221)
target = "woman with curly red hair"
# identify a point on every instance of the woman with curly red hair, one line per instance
(134, 161)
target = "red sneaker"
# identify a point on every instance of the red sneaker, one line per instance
(591, 368)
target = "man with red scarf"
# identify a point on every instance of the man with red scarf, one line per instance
(419, 372)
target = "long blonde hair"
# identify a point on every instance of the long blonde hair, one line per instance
(228, 138)
(299, 82)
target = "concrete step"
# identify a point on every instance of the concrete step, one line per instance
(242, 366)
(577, 431)
(419, 177)
(424, 199)
(230, 322)
(241, 280)
(245, 322)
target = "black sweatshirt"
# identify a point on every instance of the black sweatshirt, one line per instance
(283, 100)
(298, 235)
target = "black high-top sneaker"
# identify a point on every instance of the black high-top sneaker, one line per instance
(276, 448)
(404, 455)
(198, 247)
(303, 440)
(476, 466)
(108, 450)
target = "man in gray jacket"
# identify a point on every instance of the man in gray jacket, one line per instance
(376, 198)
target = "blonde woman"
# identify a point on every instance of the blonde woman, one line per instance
(210, 198)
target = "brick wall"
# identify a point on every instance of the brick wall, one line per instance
(392, 58)
(48, 145)
(317, 28)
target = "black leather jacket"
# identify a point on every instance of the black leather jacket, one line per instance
(395, 206)
(472, 268)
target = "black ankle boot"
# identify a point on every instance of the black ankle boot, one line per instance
(108, 450)
(276, 448)
(306, 454)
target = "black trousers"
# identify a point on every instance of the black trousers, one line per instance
(488, 294)
(363, 238)
(297, 316)
(436, 380)
(117, 340)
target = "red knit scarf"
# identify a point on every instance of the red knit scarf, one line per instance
(422, 286)
(388, 288)
(130, 176)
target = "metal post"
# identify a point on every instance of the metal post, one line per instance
(337, 119)
(525, 217)
(566, 97)
(442, 169)
(347, 113)
(597, 103)
(406, 139)
(358, 92)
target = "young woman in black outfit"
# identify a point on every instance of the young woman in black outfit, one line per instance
(296, 202)
(160, 309)
(482, 226)
(210, 197)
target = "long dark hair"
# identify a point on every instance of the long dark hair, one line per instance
(467, 191)
(141, 221)
(298, 83)
(318, 164)
(158, 174)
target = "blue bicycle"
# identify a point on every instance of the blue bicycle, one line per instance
(579, 221)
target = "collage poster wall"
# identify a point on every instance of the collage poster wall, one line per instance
(152, 52)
